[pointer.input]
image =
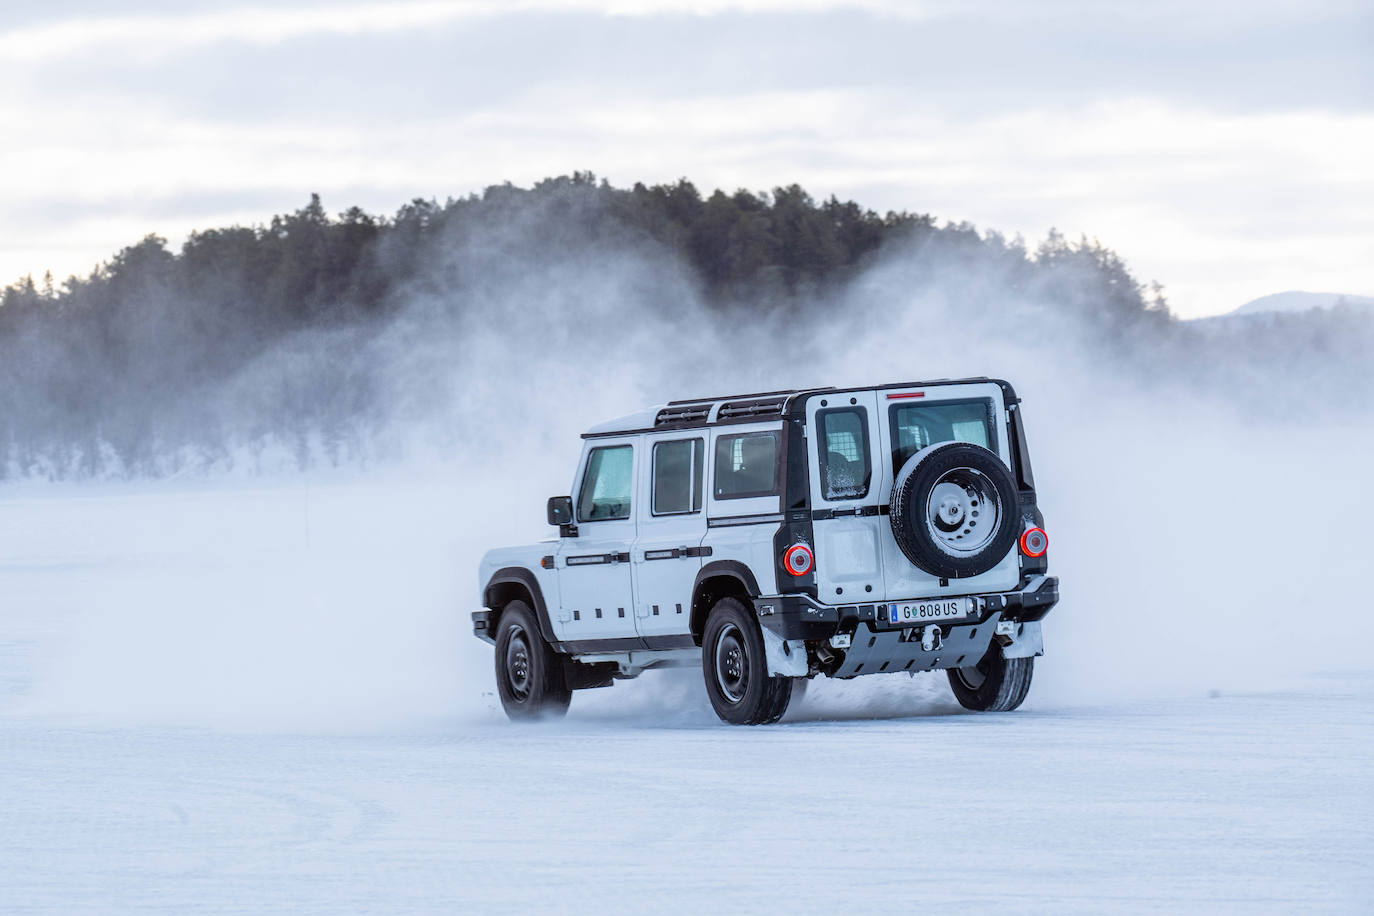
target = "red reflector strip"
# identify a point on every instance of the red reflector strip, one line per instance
(904, 395)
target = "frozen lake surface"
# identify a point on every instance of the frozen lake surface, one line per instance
(237, 701)
(1250, 802)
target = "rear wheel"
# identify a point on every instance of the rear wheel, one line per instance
(995, 684)
(736, 671)
(529, 677)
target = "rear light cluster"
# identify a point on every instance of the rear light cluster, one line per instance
(1034, 542)
(798, 559)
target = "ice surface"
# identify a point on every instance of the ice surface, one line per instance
(1257, 802)
(265, 698)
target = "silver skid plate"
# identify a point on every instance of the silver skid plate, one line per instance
(885, 651)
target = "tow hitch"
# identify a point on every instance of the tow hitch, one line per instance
(931, 640)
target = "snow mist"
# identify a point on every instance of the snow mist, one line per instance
(1207, 531)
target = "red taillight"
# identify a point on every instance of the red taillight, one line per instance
(903, 395)
(1034, 542)
(798, 559)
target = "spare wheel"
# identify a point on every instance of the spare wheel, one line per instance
(954, 510)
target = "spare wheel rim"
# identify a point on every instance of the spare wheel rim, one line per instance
(963, 512)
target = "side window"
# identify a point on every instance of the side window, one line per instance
(843, 445)
(677, 476)
(606, 483)
(916, 426)
(746, 465)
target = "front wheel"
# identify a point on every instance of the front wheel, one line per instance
(529, 677)
(995, 684)
(736, 671)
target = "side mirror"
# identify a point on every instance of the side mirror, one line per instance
(560, 510)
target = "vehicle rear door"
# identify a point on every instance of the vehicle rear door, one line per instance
(847, 480)
(917, 417)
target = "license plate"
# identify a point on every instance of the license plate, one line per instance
(934, 609)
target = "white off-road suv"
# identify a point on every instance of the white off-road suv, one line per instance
(777, 536)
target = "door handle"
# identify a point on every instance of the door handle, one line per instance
(675, 553)
(597, 559)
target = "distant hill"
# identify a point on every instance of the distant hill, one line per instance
(319, 336)
(332, 339)
(1299, 301)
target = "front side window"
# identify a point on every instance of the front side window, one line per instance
(843, 446)
(606, 484)
(678, 470)
(746, 465)
(915, 426)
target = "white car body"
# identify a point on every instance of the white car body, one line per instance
(633, 588)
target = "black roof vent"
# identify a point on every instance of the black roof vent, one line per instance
(677, 416)
(760, 408)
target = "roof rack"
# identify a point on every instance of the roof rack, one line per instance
(741, 397)
(677, 415)
(757, 407)
(743, 408)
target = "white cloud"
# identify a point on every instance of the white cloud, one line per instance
(1185, 195)
(1219, 204)
(153, 35)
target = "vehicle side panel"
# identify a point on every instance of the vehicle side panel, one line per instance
(506, 565)
(667, 552)
(596, 587)
(742, 529)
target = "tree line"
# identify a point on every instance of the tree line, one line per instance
(138, 368)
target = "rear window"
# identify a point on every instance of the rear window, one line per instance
(677, 476)
(843, 448)
(746, 465)
(915, 426)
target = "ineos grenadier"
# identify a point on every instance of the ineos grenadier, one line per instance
(777, 536)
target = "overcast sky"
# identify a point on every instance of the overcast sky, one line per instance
(1224, 148)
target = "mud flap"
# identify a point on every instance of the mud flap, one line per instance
(784, 657)
(1022, 640)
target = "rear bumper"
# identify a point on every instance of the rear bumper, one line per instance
(801, 617)
(481, 625)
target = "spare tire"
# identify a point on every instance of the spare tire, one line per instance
(954, 510)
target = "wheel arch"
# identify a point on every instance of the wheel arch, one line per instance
(721, 579)
(515, 583)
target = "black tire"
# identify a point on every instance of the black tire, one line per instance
(736, 670)
(933, 538)
(995, 684)
(529, 676)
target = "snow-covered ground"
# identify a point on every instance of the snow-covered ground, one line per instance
(261, 697)
(1247, 802)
